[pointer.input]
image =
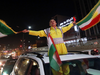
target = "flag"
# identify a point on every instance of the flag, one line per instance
(91, 19)
(74, 18)
(5, 29)
(54, 58)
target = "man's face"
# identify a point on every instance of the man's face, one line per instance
(52, 23)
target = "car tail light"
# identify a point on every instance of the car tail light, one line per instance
(94, 52)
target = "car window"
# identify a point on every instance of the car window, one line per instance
(8, 67)
(22, 66)
(74, 66)
(94, 63)
(47, 69)
(34, 68)
(93, 66)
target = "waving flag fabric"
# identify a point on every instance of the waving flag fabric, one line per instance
(91, 19)
(54, 58)
(5, 29)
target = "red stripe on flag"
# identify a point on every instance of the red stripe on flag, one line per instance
(57, 55)
(92, 23)
(74, 18)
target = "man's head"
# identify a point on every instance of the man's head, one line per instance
(52, 23)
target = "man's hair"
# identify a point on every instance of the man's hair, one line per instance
(51, 19)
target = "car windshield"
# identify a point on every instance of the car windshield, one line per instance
(89, 66)
(21, 66)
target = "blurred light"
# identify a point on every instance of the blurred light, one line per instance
(95, 43)
(20, 45)
(27, 61)
(64, 21)
(21, 40)
(16, 67)
(29, 47)
(67, 22)
(28, 41)
(0, 63)
(34, 63)
(29, 27)
(38, 37)
(95, 49)
(75, 28)
(71, 41)
(4, 73)
(85, 39)
(61, 23)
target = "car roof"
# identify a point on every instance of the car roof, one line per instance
(67, 57)
(71, 57)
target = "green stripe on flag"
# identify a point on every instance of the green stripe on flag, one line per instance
(51, 51)
(5, 29)
(53, 62)
(54, 65)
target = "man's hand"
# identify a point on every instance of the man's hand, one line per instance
(25, 31)
(74, 23)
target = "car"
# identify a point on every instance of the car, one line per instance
(3, 60)
(7, 69)
(38, 62)
(91, 52)
(2, 63)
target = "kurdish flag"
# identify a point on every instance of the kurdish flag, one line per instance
(91, 19)
(5, 29)
(54, 58)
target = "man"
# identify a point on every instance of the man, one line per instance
(56, 34)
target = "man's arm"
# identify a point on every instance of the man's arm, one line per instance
(40, 33)
(65, 29)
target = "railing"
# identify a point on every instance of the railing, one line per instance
(76, 46)
(84, 45)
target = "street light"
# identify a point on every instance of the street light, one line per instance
(29, 27)
(38, 37)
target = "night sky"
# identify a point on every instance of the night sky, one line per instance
(20, 14)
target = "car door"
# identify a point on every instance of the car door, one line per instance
(34, 68)
(94, 66)
(27, 66)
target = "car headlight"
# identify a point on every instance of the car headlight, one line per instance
(4, 73)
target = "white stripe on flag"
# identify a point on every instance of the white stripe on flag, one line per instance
(49, 42)
(86, 23)
(2, 35)
(54, 57)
